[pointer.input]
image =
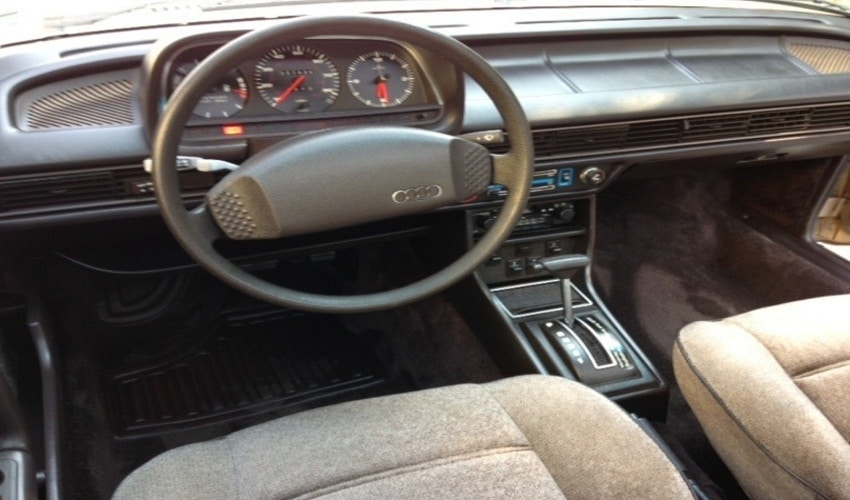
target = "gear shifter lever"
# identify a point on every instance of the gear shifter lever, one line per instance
(565, 267)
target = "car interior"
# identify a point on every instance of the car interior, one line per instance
(424, 250)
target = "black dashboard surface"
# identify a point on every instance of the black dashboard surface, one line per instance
(594, 83)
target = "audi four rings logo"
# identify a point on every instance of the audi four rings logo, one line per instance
(420, 193)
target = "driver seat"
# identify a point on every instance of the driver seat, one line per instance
(526, 437)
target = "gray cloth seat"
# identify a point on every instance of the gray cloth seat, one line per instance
(527, 437)
(771, 389)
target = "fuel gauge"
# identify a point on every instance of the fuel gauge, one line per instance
(223, 100)
(380, 79)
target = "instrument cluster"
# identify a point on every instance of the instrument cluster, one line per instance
(310, 79)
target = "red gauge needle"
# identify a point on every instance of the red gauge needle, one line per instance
(242, 93)
(382, 93)
(289, 90)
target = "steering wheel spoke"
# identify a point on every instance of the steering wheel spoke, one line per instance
(504, 169)
(202, 224)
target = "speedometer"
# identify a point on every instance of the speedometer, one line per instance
(297, 79)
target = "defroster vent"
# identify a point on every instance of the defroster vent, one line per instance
(103, 104)
(825, 59)
(101, 100)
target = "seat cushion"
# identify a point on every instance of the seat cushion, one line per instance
(770, 389)
(526, 437)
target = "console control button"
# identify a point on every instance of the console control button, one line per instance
(495, 260)
(565, 177)
(554, 247)
(567, 213)
(593, 176)
(513, 267)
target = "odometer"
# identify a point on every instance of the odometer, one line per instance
(297, 79)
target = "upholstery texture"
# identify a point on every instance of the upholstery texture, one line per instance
(526, 437)
(769, 388)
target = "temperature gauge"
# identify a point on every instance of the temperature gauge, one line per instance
(380, 79)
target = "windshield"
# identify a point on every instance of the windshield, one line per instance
(22, 20)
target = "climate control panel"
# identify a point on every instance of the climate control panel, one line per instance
(545, 229)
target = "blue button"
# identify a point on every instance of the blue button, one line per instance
(565, 177)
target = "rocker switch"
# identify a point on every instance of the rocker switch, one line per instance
(514, 267)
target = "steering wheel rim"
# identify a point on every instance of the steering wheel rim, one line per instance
(196, 231)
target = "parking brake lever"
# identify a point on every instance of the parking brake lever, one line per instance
(565, 267)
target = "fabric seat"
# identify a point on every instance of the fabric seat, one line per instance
(527, 437)
(771, 389)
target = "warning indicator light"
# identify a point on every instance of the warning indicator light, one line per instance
(232, 129)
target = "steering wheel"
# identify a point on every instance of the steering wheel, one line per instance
(337, 178)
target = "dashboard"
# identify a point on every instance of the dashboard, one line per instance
(603, 89)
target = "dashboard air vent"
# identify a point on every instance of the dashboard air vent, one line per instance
(97, 105)
(54, 190)
(830, 117)
(713, 127)
(824, 59)
(652, 134)
(76, 190)
(779, 121)
(554, 141)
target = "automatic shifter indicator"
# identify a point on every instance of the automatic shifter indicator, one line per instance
(595, 354)
(608, 341)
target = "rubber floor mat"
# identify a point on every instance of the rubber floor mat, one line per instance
(246, 367)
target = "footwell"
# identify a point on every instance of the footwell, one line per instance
(248, 365)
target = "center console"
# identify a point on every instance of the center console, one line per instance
(539, 284)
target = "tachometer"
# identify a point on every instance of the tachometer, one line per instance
(380, 79)
(297, 79)
(224, 99)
